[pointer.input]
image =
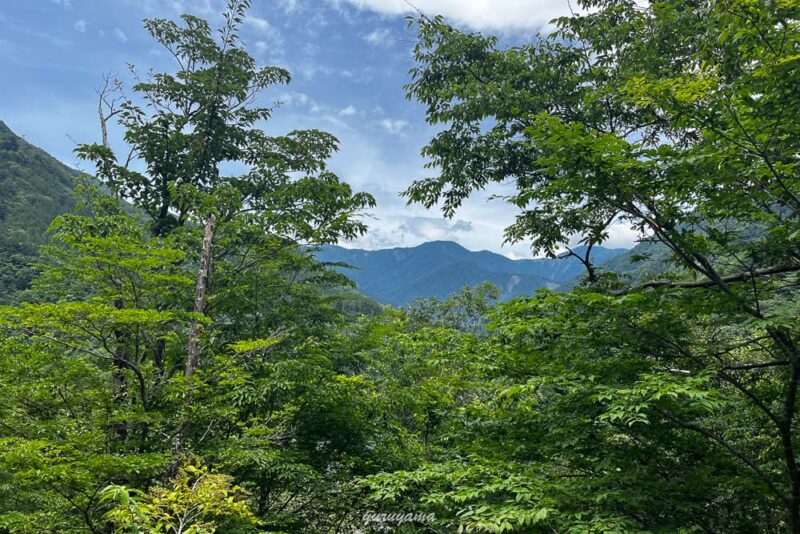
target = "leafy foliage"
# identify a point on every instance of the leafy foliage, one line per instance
(198, 373)
(198, 502)
(625, 406)
(203, 332)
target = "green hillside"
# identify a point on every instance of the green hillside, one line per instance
(34, 189)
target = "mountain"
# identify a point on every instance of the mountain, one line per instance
(644, 261)
(34, 189)
(397, 276)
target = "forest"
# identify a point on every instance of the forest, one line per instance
(178, 361)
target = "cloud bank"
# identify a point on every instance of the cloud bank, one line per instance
(477, 14)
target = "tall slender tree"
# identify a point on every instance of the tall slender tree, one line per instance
(186, 126)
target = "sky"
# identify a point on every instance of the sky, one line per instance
(349, 60)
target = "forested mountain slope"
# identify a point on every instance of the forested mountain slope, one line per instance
(439, 268)
(34, 189)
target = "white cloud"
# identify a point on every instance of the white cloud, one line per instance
(398, 230)
(294, 98)
(208, 9)
(258, 23)
(317, 21)
(289, 6)
(378, 37)
(52, 39)
(80, 26)
(270, 38)
(319, 111)
(66, 3)
(120, 35)
(309, 69)
(434, 229)
(361, 76)
(477, 14)
(394, 126)
(368, 163)
(621, 236)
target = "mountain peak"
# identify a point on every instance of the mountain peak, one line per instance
(439, 268)
(442, 243)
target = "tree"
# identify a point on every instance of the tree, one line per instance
(91, 373)
(466, 310)
(673, 118)
(203, 117)
(205, 330)
(198, 502)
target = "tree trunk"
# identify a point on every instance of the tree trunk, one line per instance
(158, 358)
(193, 345)
(119, 382)
(789, 450)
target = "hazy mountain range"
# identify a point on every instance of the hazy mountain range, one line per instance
(35, 188)
(397, 276)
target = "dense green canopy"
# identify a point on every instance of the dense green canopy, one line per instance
(197, 370)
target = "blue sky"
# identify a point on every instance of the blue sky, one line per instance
(349, 60)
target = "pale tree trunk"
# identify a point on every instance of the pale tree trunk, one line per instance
(107, 107)
(193, 345)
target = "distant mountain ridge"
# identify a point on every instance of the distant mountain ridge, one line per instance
(397, 276)
(35, 188)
